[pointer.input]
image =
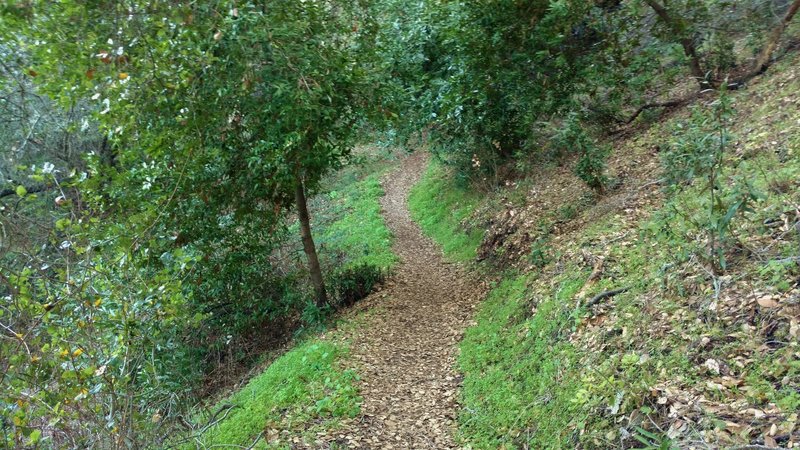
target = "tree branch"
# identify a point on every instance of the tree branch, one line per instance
(666, 104)
(764, 59)
(32, 189)
(604, 295)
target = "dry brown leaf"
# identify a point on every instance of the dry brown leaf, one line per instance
(767, 302)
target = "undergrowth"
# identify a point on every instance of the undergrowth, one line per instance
(359, 235)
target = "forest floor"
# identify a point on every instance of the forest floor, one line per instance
(405, 349)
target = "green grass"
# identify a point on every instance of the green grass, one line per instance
(520, 380)
(440, 207)
(304, 386)
(358, 235)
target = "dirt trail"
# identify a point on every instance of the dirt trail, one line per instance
(406, 350)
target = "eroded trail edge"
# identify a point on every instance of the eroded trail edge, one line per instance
(406, 350)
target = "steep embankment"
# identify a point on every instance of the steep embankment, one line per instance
(610, 329)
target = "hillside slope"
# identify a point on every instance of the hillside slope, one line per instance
(609, 326)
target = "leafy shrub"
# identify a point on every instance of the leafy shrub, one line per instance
(591, 166)
(695, 160)
(572, 137)
(93, 336)
(352, 284)
(539, 256)
(720, 54)
(653, 441)
(314, 315)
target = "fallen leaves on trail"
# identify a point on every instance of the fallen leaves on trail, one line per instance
(405, 350)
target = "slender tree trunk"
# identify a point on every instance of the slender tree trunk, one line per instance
(764, 58)
(308, 243)
(678, 26)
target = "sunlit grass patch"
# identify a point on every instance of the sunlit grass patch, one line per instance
(304, 386)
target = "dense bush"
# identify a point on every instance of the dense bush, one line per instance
(481, 77)
(573, 137)
(352, 284)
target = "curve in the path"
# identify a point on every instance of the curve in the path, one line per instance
(406, 350)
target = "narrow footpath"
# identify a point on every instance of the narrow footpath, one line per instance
(406, 350)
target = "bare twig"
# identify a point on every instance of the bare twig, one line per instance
(666, 104)
(597, 272)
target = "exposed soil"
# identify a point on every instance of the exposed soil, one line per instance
(406, 349)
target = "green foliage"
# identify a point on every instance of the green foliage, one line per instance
(653, 441)
(352, 284)
(212, 113)
(314, 316)
(706, 32)
(303, 387)
(591, 166)
(466, 67)
(572, 136)
(484, 75)
(697, 158)
(479, 77)
(96, 330)
(539, 256)
(500, 76)
(440, 208)
(720, 54)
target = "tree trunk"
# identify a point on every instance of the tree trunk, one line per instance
(764, 58)
(679, 28)
(308, 244)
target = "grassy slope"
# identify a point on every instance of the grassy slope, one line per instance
(679, 359)
(304, 386)
(308, 388)
(439, 208)
(359, 235)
